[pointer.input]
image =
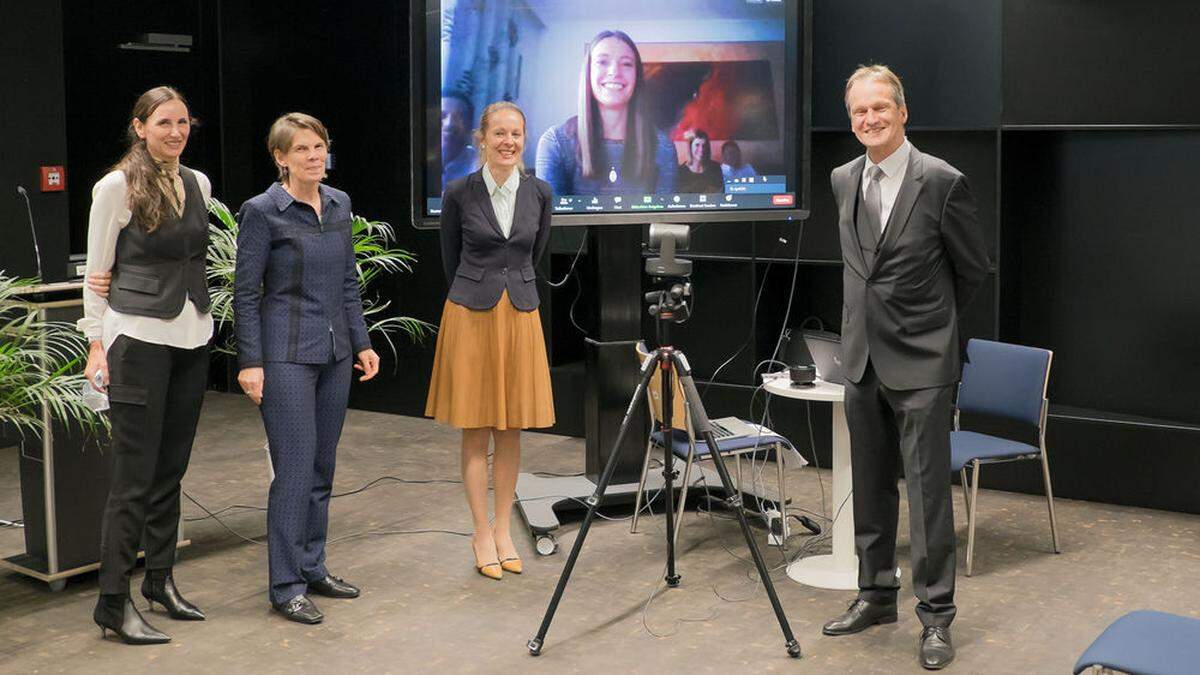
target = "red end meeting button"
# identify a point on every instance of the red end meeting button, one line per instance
(783, 200)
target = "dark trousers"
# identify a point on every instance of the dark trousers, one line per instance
(303, 408)
(155, 393)
(886, 427)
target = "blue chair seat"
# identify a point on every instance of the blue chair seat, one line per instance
(969, 445)
(679, 444)
(1146, 642)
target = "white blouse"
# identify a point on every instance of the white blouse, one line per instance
(504, 197)
(190, 329)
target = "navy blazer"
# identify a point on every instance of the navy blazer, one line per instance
(479, 262)
(296, 286)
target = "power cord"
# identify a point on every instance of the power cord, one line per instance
(754, 310)
(216, 515)
(578, 284)
(563, 281)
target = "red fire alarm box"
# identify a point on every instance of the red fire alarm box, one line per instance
(54, 179)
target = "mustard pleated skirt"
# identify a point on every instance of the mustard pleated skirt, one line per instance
(490, 369)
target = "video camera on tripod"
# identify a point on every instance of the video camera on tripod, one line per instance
(670, 304)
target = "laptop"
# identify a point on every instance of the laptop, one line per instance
(826, 351)
(732, 427)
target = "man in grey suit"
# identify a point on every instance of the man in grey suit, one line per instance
(913, 255)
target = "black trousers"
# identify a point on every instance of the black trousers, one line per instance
(888, 427)
(155, 393)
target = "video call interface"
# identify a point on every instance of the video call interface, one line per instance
(630, 106)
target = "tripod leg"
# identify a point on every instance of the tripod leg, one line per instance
(669, 473)
(593, 502)
(700, 423)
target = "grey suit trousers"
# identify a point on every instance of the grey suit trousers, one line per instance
(889, 426)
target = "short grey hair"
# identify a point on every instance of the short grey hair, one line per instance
(880, 73)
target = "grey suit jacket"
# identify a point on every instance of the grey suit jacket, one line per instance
(479, 262)
(903, 311)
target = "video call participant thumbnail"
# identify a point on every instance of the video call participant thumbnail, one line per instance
(611, 145)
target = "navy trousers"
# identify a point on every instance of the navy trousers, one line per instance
(303, 408)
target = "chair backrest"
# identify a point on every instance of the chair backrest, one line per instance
(1005, 380)
(678, 412)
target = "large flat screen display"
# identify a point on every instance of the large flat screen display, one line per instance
(636, 110)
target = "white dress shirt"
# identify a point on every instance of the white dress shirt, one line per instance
(109, 214)
(894, 166)
(504, 197)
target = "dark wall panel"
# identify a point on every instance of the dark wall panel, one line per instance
(1110, 463)
(722, 324)
(1104, 228)
(946, 51)
(32, 118)
(99, 99)
(1101, 62)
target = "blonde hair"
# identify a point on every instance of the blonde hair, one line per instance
(485, 120)
(145, 197)
(880, 73)
(284, 130)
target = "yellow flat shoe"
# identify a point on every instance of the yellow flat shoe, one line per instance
(511, 565)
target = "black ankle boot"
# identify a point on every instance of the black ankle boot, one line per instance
(117, 613)
(159, 586)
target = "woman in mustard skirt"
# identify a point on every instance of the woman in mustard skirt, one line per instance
(490, 375)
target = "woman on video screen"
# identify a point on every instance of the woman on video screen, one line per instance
(700, 174)
(611, 146)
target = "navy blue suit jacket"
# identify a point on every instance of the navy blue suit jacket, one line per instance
(296, 287)
(479, 262)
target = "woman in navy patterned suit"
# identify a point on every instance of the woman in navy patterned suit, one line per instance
(299, 323)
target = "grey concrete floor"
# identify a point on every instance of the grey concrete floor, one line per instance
(424, 608)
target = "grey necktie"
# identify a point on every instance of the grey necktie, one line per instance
(874, 201)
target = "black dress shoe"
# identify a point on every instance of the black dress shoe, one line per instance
(159, 586)
(936, 650)
(860, 616)
(117, 613)
(333, 587)
(301, 610)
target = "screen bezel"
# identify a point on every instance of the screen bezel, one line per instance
(419, 10)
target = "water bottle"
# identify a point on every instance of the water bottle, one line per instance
(91, 394)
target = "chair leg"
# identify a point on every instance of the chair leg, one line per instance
(1050, 501)
(783, 529)
(972, 513)
(741, 498)
(782, 481)
(966, 488)
(687, 479)
(637, 500)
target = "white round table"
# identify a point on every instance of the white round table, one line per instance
(838, 571)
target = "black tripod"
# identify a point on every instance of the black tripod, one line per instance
(667, 307)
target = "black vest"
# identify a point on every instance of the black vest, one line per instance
(156, 271)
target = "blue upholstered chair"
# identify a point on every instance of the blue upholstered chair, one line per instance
(1146, 643)
(1003, 382)
(684, 446)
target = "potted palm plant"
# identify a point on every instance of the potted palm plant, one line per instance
(40, 366)
(374, 255)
